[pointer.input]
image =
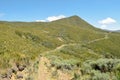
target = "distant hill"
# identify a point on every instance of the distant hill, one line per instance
(70, 44)
(117, 31)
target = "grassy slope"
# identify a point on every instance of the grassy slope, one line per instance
(110, 46)
(23, 41)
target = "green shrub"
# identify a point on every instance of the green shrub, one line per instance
(48, 44)
(118, 75)
(103, 65)
(102, 69)
(29, 36)
(99, 76)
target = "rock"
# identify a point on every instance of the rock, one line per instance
(19, 76)
(21, 67)
(4, 77)
(68, 67)
(14, 69)
(9, 73)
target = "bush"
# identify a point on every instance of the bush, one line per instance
(118, 75)
(29, 36)
(101, 69)
(99, 76)
(103, 65)
(48, 44)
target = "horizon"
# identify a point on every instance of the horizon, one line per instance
(101, 14)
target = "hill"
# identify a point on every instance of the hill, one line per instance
(117, 31)
(69, 48)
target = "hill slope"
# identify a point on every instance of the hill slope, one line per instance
(68, 43)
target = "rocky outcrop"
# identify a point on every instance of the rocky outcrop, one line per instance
(14, 71)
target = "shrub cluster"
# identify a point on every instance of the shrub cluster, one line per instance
(102, 69)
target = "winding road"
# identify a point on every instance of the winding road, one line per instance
(105, 37)
(72, 44)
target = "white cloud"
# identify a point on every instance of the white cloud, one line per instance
(40, 20)
(51, 18)
(107, 21)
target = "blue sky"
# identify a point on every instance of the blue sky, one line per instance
(100, 13)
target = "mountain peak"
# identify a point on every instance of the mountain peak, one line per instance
(75, 21)
(71, 18)
(74, 16)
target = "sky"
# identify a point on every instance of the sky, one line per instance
(104, 14)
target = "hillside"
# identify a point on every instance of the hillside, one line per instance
(65, 49)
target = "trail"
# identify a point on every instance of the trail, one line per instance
(43, 72)
(59, 47)
(99, 39)
(72, 44)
